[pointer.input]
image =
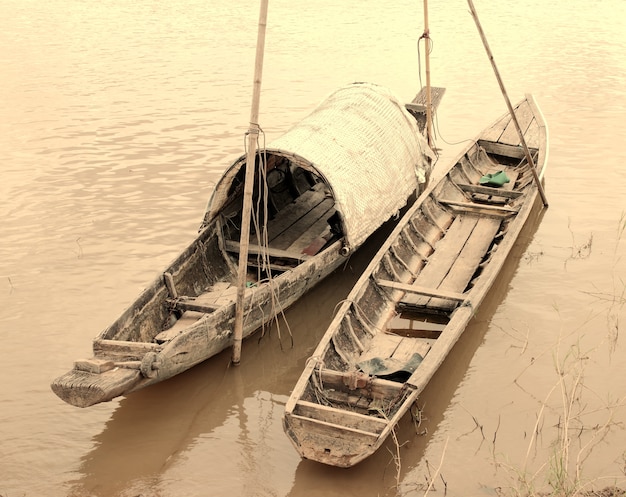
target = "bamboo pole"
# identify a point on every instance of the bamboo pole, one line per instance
(429, 117)
(253, 133)
(529, 158)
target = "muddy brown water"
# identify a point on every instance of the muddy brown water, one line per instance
(118, 117)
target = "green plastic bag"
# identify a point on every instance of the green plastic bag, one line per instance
(494, 179)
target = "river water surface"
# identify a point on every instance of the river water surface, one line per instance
(117, 118)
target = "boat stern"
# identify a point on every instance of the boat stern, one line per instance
(84, 388)
(329, 443)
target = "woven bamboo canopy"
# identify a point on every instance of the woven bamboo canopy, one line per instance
(364, 145)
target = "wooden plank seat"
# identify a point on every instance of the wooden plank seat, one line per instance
(339, 418)
(489, 190)
(191, 304)
(232, 246)
(479, 207)
(421, 290)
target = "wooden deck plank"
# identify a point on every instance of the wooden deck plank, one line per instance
(193, 305)
(454, 263)
(290, 214)
(303, 224)
(446, 252)
(120, 348)
(194, 308)
(317, 229)
(466, 264)
(532, 135)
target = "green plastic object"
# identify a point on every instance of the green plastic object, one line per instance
(494, 179)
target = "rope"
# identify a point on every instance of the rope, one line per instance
(263, 258)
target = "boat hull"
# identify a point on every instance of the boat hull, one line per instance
(120, 367)
(319, 192)
(417, 296)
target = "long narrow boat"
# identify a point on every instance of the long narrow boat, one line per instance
(321, 190)
(417, 296)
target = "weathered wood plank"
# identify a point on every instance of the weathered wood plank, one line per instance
(422, 290)
(88, 389)
(488, 190)
(477, 207)
(513, 151)
(94, 365)
(233, 246)
(446, 252)
(339, 417)
(312, 233)
(468, 260)
(409, 346)
(192, 305)
(169, 283)
(440, 263)
(124, 348)
(290, 214)
(324, 427)
(321, 211)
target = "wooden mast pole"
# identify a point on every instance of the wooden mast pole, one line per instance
(253, 133)
(429, 117)
(527, 153)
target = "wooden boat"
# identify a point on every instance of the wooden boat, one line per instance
(417, 296)
(321, 190)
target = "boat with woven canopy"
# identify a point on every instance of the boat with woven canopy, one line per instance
(320, 191)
